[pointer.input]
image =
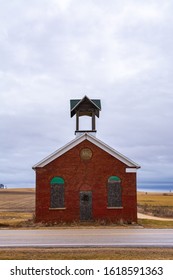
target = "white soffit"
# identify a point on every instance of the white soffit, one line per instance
(131, 170)
(93, 140)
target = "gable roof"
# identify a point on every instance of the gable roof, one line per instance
(75, 103)
(95, 141)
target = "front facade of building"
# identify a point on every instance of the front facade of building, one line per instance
(86, 180)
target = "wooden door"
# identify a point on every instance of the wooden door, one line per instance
(85, 205)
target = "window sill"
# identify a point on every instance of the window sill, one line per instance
(120, 207)
(57, 208)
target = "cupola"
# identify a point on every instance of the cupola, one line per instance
(85, 107)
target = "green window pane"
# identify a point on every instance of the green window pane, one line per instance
(114, 179)
(57, 180)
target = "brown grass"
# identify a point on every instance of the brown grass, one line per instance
(16, 206)
(87, 254)
(147, 223)
(155, 199)
(14, 219)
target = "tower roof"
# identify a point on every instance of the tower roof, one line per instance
(85, 106)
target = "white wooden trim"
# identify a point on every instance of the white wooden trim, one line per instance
(95, 141)
(130, 170)
(111, 151)
(59, 152)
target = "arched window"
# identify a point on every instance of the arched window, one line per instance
(57, 192)
(114, 192)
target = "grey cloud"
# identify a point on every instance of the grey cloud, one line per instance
(54, 51)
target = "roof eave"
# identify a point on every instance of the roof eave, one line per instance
(58, 152)
(92, 139)
(114, 153)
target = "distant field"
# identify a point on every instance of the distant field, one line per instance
(16, 206)
(156, 204)
(22, 200)
(155, 199)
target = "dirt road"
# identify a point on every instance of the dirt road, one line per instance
(144, 216)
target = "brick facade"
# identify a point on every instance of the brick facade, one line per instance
(85, 175)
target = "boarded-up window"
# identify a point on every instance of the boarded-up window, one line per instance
(57, 193)
(114, 192)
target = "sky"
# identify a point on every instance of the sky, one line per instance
(120, 52)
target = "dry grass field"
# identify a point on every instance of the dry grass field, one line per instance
(17, 208)
(156, 204)
(86, 254)
(155, 199)
(17, 200)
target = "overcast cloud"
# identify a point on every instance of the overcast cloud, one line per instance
(52, 51)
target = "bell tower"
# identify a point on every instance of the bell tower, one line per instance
(85, 107)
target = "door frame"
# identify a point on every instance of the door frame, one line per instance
(85, 203)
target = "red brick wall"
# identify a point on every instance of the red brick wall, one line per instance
(86, 175)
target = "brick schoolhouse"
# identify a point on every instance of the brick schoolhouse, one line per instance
(86, 180)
